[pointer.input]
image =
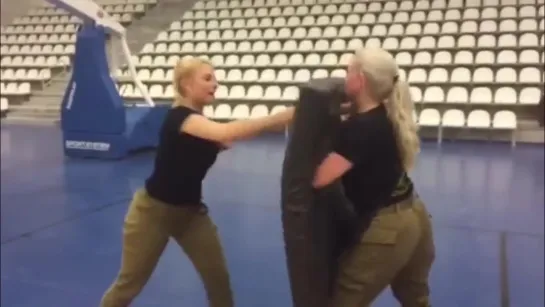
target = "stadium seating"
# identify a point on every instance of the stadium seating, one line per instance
(38, 46)
(471, 64)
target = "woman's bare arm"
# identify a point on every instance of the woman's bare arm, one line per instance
(202, 127)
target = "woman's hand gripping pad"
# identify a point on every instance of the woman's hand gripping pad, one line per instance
(310, 217)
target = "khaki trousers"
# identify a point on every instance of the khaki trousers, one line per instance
(397, 250)
(148, 226)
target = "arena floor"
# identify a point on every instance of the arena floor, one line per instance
(61, 225)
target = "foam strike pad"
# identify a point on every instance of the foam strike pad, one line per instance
(311, 217)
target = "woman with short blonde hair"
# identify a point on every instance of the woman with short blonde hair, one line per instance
(170, 204)
(373, 152)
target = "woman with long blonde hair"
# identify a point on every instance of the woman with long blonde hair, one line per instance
(374, 150)
(170, 204)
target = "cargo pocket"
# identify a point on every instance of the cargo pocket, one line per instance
(377, 241)
(369, 263)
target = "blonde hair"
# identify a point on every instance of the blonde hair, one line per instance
(381, 71)
(183, 70)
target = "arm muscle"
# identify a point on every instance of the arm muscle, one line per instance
(202, 127)
(331, 169)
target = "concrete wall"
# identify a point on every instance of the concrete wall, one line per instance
(16, 8)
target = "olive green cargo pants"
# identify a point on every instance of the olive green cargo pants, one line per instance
(397, 250)
(148, 226)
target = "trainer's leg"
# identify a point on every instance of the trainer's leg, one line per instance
(200, 241)
(370, 266)
(411, 287)
(144, 239)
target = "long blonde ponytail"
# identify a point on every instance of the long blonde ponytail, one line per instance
(400, 108)
(382, 72)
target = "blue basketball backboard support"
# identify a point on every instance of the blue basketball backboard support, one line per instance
(95, 121)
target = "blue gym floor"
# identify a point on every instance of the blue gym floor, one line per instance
(61, 223)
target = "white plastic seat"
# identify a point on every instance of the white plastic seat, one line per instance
(222, 111)
(250, 75)
(241, 111)
(504, 120)
(8, 75)
(429, 118)
(220, 74)
(237, 92)
(222, 92)
(433, 94)
(143, 74)
(505, 95)
(168, 92)
(208, 111)
(478, 119)
(277, 109)
(529, 75)
(483, 75)
(416, 94)
(507, 57)
(273, 92)
(417, 75)
(506, 75)
(159, 61)
(422, 58)
(329, 59)
(291, 93)
(290, 45)
(345, 59)
(267, 75)
(312, 59)
(529, 95)
(302, 75)
(457, 94)
(255, 92)
(157, 75)
(485, 57)
(259, 110)
(156, 91)
(529, 57)
(4, 104)
(320, 73)
(453, 118)
(408, 43)
(284, 75)
(403, 58)
(463, 57)
(247, 60)
(263, 60)
(338, 73)
(132, 92)
(481, 95)
(23, 88)
(234, 75)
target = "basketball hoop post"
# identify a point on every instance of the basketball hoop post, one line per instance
(94, 119)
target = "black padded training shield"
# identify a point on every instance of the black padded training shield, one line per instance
(311, 218)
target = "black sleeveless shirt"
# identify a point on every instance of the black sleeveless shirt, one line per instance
(181, 163)
(377, 178)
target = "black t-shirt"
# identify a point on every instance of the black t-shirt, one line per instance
(181, 163)
(377, 177)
